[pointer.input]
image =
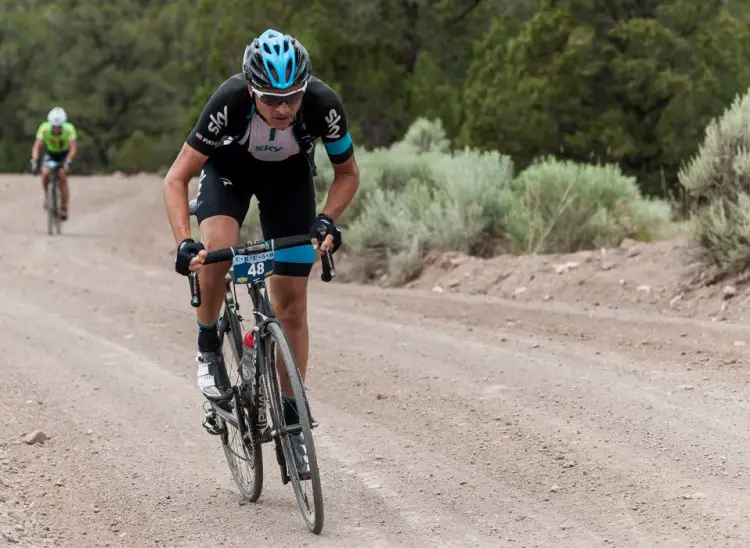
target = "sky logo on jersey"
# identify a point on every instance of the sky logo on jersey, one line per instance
(218, 121)
(333, 120)
(268, 148)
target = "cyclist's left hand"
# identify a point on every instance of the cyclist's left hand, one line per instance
(325, 235)
(66, 166)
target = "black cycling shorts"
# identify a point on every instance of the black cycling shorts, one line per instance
(55, 156)
(285, 194)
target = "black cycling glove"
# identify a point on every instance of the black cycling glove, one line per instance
(187, 249)
(34, 166)
(322, 227)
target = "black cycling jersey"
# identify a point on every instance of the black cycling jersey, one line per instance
(230, 117)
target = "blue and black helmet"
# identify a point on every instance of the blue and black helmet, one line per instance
(275, 60)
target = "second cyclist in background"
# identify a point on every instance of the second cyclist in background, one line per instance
(58, 138)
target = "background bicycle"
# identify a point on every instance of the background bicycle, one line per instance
(54, 198)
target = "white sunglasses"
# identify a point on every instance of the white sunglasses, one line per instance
(275, 99)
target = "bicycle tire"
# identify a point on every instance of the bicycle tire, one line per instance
(51, 206)
(230, 328)
(58, 201)
(314, 517)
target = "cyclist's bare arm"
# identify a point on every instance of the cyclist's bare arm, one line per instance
(343, 188)
(72, 149)
(185, 167)
(36, 149)
(231, 107)
(328, 120)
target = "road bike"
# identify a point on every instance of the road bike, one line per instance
(255, 415)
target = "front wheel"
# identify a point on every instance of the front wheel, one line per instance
(58, 201)
(241, 445)
(308, 491)
(53, 206)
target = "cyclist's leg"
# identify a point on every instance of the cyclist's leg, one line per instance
(216, 232)
(286, 201)
(223, 201)
(289, 298)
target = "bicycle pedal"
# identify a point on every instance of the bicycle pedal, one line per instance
(213, 424)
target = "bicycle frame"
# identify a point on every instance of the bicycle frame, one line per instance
(263, 315)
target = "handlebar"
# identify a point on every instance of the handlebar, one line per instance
(253, 248)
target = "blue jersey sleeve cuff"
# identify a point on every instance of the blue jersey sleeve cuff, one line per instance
(334, 148)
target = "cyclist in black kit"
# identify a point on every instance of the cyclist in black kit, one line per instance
(255, 136)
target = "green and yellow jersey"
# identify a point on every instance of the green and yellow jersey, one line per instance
(57, 143)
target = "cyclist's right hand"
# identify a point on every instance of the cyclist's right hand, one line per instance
(325, 235)
(34, 166)
(187, 251)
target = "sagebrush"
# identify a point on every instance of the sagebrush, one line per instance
(419, 196)
(717, 180)
(563, 206)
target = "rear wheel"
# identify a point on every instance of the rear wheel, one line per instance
(241, 445)
(308, 491)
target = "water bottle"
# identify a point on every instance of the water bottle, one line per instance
(248, 357)
(248, 366)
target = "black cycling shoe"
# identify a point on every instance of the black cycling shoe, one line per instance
(212, 376)
(297, 441)
(301, 462)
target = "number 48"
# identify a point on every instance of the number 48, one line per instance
(256, 269)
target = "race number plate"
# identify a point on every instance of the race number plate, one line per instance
(247, 269)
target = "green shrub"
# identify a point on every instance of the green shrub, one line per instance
(722, 232)
(717, 179)
(425, 136)
(380, 169)
(417, 197)
(454, 205)
(566, 207)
